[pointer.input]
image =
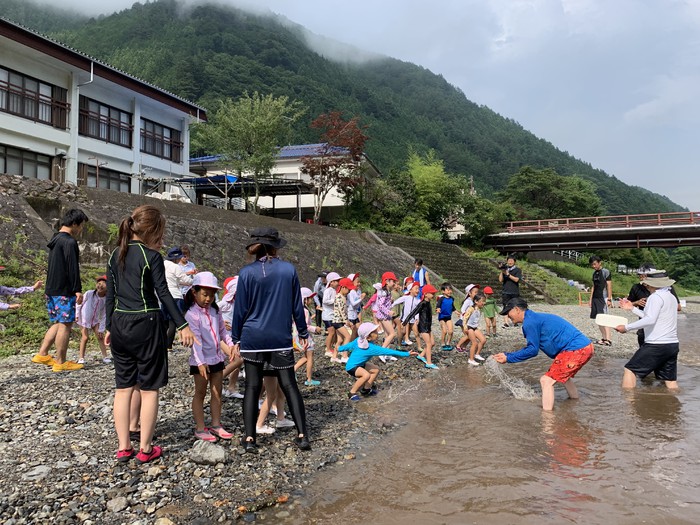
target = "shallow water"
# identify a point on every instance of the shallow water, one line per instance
(471, 453)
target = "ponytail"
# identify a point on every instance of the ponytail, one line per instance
(145, 221)
(126, 231)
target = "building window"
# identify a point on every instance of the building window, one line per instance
(20, 162)
(161, 141)
(94, 177)
(104, 122)
(32, 99)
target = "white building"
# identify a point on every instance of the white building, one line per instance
(68, 117)
(287, 193)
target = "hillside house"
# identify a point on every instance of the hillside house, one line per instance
(68, 117)
(286, 193)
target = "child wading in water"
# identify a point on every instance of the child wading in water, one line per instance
(471, 321)
(207, 358)
(308, 358)
(90, 315)
(445, 306)
(136, 328)
(425, 325)
(489, 312)
(359, 367)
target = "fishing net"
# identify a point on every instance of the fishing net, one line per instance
(519, 388)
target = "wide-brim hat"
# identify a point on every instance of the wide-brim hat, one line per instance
(332, 276)
(267, 236)
(658, 281)
(515, 302)
(469, 288)
(206, 280)
(307, 292)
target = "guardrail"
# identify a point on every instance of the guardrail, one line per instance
(603, 222)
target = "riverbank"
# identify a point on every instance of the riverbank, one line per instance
(57, 440)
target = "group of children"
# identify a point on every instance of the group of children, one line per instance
(397, 310)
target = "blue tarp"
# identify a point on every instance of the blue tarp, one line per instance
(216, 180)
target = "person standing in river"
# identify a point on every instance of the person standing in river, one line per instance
(557, 338)
(659, 320)
(267, 299)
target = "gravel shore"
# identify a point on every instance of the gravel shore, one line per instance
(57, 441)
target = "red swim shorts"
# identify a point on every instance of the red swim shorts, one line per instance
(568, 363)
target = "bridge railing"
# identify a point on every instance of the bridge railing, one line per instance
(609, 221)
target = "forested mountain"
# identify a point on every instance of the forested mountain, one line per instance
(205, 52)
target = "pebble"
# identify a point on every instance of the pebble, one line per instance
(117, 504)
(75, 462)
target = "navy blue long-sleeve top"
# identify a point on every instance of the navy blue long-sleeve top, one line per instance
(268, 298)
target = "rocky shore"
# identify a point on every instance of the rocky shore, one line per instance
(57, 441)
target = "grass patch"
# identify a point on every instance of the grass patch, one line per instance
(26, 326)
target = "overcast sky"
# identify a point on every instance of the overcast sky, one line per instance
(615, 83)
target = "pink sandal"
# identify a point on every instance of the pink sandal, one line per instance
(204, 435)
(220, 432)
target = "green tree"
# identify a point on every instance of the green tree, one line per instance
(684, 266)
(543, 194)
(481, 217)
(247, 133)
(439, 196)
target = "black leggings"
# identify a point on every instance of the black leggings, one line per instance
(253, 387)
(171, 334)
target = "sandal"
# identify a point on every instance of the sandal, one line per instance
(205, 435)
(603, 342)
(220, 432)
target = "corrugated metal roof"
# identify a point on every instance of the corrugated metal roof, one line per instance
(286, 152)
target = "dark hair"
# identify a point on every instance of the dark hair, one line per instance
(189, 298)
(479, 296)
(261, 250)
(594, 258)
(74, 217)
(145, 221)
(445, 286)
(185, 250)
(511, 256)
(419, 262)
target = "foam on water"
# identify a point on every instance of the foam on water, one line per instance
(517, 387)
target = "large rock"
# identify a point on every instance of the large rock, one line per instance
(37, 473)
(205, 453)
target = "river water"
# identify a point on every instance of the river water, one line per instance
(469, 452)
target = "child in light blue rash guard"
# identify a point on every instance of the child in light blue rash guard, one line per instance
(358, 365)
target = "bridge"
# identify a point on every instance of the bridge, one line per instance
(661, 230)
